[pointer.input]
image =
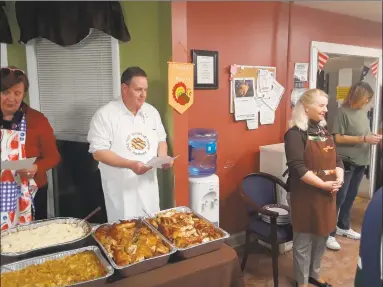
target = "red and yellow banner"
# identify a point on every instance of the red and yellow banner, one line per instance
(180, 85)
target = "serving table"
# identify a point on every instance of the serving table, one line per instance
(218, 268)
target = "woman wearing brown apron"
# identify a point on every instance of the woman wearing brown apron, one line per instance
(315, 175)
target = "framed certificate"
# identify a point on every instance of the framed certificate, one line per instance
(205, 69)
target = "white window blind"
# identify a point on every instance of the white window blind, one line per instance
(74, 82)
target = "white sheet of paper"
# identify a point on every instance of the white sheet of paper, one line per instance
(267, 115)
(259, 103)
(301, 71)
(205, 70)
(296, 94)
(253, 123)
(244, 108)
(264, 81)
(18, 164)
(274, 95)
(157, 162)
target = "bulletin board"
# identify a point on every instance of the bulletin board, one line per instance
(246, 72)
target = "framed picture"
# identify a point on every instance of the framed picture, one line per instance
(205, 69)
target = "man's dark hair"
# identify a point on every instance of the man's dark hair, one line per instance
(131, 72)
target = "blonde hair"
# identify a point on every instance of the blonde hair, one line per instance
(299, 117)
(358, 92)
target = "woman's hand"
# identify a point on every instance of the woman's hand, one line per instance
(339, 175)
(28, 173)
(331, 186)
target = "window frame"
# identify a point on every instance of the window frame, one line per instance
(3, 55)
(34, 95)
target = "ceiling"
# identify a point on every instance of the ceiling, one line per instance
(369, 10)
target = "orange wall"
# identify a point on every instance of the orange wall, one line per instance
(248, 33)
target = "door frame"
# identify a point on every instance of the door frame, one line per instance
(3, 55)
(333, 48)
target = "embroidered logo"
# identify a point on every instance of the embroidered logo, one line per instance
(327, 148)
(137, 143)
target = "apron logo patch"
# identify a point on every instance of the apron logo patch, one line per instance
(327, 148)
(137, 143)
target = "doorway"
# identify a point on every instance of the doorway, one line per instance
(344, 68)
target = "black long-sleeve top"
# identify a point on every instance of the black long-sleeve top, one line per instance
(295, 142)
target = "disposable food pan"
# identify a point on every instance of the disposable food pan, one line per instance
(8, 257)
(144, 265)
(201, 248)
(41, 259)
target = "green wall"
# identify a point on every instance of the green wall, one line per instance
(150, 48)
(149, 24)
(16, 51)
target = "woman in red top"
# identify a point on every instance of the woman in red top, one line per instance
(25, 133)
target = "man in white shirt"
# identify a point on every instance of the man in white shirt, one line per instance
(124, 135)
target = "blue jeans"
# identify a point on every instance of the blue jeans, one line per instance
(347, 194)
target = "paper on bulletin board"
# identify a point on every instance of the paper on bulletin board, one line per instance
(244, 108)
(180, 85)
(273, 97)
(253, 123)
(264, 81)
(266, 115)
(241, 72)
(301, 71)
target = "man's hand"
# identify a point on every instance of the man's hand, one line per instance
(28, 173)
(139, 167)
(168, 165)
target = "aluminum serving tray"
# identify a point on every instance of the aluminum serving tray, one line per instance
(41, 259)
(198, 249)
(7, 257)
(142, 266)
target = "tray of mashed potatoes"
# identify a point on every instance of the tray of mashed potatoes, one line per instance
(133, 246)
(79, 267)
(43, 237)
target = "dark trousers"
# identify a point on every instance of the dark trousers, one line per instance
(41, 203)
(347, 193)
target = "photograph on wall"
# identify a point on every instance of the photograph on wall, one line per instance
(244, 87)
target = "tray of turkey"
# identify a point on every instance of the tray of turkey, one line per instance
(43, 237)
(189, 232)
(132, 246)
(79, 267)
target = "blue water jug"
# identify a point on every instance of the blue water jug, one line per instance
(202, 152)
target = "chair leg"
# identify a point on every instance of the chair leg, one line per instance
(275, 254)
(246, 253)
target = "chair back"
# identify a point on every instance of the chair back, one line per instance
(260, 188)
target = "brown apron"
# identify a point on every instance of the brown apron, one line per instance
(313, 210)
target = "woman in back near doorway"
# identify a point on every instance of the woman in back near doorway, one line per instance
(353, 139)
(315, 175)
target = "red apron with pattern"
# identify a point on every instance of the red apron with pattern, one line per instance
(16, 193)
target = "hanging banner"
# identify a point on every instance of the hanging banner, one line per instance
(364, 72)
(180, 85)
(374, 68)
(322, 59)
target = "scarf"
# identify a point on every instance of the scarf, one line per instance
(15, 123)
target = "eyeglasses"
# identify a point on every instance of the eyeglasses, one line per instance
(7, 71)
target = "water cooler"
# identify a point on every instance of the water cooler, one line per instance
(203, 182)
